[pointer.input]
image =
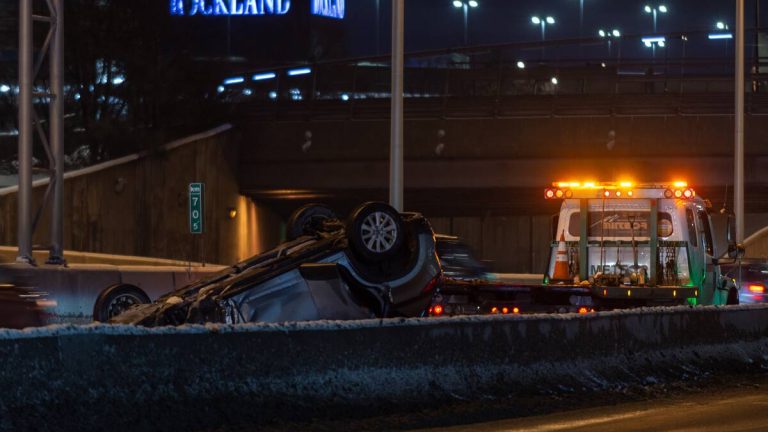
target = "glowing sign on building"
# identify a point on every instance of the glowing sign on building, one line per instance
(230, 7)
(328, 8)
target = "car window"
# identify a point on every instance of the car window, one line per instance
(691, 228)
(707, 231)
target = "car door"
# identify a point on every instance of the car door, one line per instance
(711, 278)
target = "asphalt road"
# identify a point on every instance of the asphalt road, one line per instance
(729, 410)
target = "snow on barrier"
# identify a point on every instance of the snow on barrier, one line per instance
(125, 378)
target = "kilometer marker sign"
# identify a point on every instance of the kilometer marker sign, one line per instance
(196, 198)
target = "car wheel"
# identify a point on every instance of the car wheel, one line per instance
(308, 219)
(117, 299)
(733, 297)
(375, 231)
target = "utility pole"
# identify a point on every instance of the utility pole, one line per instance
(396, 158)
(738, 190)
(26, 85)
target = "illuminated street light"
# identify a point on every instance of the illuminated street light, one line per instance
(554, 80)
(653, 42)
(655, 11)
(722, 34)
(521, 64)
(465, 6)
(716, 36)
(543, 22)
(609, 35)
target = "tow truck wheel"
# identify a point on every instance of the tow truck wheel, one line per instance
(117, 299)
(308, 219)
(375, 231)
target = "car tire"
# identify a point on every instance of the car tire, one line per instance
(308, 219)
(375, 231)
(117, 299)
(733, 297)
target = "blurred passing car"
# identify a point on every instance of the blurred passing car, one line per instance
(20, 308)
(458, 260)
(377, 263)
(754, 280)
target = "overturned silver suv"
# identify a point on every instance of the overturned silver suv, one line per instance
(377, 263)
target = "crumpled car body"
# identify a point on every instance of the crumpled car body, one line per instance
(318, 276)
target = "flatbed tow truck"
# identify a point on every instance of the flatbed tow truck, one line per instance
(610, 253)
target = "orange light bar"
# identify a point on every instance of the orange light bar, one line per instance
(680, 184)
(621, 189)
(757, 289)
(583, 310)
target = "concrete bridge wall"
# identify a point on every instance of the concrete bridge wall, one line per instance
(205, 378)
(138, 205)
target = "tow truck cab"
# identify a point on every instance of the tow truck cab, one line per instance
(612, 252)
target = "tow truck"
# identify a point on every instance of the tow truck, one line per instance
(617, 245)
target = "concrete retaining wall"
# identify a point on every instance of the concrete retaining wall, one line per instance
(124, 378)
(138, 205)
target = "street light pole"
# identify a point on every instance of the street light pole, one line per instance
(378, 27)
(654, 11)
(738, 190)
(466, 23)
(464, 5)
(396, 158)
(608, 36)
(543, 22)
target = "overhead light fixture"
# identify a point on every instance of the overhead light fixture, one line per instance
(234, 80)
(301, 71)
(716, 36)
(264, 76)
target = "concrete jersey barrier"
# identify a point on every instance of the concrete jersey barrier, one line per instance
(193, 377)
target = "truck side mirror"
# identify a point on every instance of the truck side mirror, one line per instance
(735, 250)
